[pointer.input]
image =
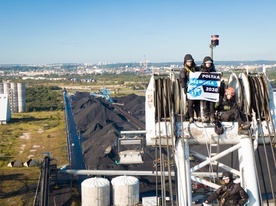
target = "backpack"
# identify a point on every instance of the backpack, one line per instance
(218, 128)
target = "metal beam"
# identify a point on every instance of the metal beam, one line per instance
(216, 157)
(130, 172)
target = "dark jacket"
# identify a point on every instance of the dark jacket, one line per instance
(203, 68)
(225, 104)
(184, 75)
(233, 195)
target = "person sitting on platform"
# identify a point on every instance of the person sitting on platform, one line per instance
(228, 110)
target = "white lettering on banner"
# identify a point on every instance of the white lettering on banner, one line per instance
(210, 76)
(204, 86)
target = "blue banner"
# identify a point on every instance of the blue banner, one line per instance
(204, 86)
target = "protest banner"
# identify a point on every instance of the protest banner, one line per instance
(204, 86)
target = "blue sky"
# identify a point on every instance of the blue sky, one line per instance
(90, 31)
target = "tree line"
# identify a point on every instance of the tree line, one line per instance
(44, 98)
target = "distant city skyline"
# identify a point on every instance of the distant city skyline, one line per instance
(85, 31)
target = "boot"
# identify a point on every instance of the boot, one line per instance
(205, 119)
(243, 132)
(245, 125)
(212, 119)
(198, 115)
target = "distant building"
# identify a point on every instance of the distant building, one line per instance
(5, 111)
(13, 99)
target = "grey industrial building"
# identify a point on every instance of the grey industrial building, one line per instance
(12, 100)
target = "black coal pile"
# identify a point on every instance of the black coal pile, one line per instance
(100, 124)
(134, 104)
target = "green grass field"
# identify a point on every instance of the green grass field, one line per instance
(29, 135)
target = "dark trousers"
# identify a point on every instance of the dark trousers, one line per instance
(231, 115)
(208, 109)
(194, 105)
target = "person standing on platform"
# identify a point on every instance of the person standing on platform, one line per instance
(193, 105)
(208, 106)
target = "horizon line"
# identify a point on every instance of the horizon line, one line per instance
(132, 62)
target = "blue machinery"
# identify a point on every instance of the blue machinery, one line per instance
(102, 93)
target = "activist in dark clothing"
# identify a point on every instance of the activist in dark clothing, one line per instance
(208, 106)
(228, 110)
(230, 194)
(193, 105)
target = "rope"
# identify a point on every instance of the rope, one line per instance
(269, 119)
(262, 134)
(166, 107)
(163, 188)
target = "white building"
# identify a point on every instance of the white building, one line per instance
(16, 94)
(5, 111)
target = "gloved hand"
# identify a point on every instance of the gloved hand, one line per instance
(217, 105)
(185, 90)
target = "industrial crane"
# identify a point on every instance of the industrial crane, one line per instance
(166, 128)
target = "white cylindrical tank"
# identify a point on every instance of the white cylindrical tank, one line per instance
(1, 88)
(21, 88)
(95, 192)
(14, 96)
(125, 191)
(7, 87)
